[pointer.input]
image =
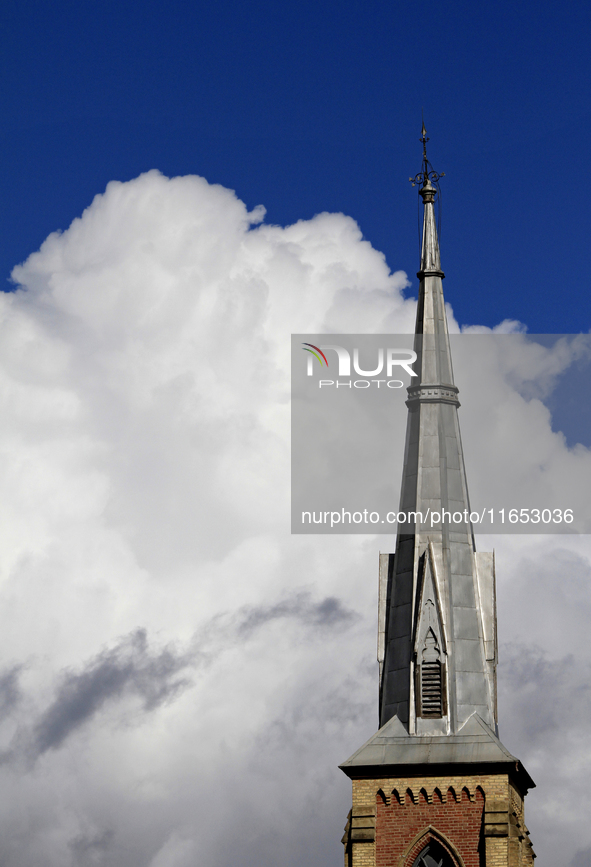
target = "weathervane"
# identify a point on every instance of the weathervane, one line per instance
(428, 174)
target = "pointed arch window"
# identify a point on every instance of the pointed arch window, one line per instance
(433, 855)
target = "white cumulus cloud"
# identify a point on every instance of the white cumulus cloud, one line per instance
(181, 675)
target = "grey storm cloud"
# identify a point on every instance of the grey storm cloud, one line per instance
(132, 668)
(528, 677)
(582, 858)
(10, 691)
(88, 851)
(317, 615)
(127, 669)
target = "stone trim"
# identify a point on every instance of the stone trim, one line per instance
(363, 823)
(421, 840)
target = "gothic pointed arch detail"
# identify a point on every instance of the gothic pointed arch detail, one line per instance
(433, 855)
(431, 848)
(430, 645)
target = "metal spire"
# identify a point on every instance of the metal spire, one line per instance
(435, 622)
(437, 645)
(428, 180)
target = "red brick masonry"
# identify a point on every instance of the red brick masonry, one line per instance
(404, 827)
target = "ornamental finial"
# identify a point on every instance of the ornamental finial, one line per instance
(428, 174)
(424, 139)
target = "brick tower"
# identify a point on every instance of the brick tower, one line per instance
(435, 787)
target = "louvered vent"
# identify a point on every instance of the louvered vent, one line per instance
(431, 689)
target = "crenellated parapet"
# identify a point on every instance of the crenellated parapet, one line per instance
(430, 795)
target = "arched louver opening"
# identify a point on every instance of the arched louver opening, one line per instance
(431, 688)
(431, 680)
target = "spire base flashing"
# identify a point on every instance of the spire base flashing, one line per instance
(474, 749)
(422, 274)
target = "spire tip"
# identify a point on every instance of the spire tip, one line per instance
(424, 178)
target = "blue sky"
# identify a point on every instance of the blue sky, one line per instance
(161, 628)
(317, 107)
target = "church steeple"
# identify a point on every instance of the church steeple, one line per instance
(435, 785)
(437, 549)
